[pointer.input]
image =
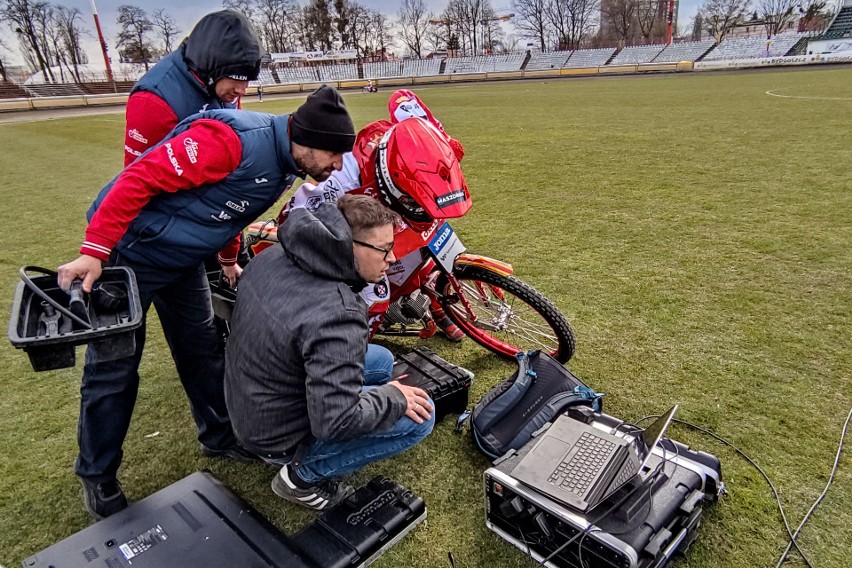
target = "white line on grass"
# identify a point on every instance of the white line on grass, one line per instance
(773, 94)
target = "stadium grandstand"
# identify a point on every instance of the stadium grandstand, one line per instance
(484, 63)
(841, 26)
(684, 51)
(307, 68)
(589, 57)
(754, 47)
(421, 67)
(288, 74)
(382, 69)
(547, 60)
(264, 77)
(338, 72)
(637, 54)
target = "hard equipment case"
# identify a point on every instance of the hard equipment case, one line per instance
(361, 528)
(642, 525)
(448, 385)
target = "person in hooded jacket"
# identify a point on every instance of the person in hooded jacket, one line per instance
(210, 69)
(175, 206)
(304, 389)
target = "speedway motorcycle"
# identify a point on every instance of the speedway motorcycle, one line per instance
(481, 295)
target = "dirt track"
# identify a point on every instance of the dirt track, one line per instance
(51, 114)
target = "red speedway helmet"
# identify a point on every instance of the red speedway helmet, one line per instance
(418, 174)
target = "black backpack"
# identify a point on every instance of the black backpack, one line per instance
(506, 417)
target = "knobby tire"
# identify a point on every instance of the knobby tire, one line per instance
(532, 298)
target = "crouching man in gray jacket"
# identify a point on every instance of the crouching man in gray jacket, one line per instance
(303, 387)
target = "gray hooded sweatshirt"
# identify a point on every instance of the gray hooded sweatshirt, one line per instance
(294, 364)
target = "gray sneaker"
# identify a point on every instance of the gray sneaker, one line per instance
(323, 495)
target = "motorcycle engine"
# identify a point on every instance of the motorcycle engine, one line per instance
(408, 310)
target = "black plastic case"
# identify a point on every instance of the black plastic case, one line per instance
(48, 336)
(641, 526)
(447, 384)
(358, 530)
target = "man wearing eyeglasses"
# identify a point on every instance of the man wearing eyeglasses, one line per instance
(304, 389)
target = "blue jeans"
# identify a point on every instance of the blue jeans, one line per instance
(324, 460)
(109, 388)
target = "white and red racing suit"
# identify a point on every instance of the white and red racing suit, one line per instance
(358, 176)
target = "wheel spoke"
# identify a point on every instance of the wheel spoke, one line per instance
(499, 315)
(504, 314)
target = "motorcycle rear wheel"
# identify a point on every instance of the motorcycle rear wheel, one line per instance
(521, 320)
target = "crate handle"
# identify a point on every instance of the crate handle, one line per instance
(40, 293)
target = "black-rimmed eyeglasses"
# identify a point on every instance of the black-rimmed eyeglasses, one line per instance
(387, 251)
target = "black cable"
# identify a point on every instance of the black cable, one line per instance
(763, 473)
(527, 543)
(612, 507)
(822, 495)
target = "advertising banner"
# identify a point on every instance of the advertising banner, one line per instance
(840, 57)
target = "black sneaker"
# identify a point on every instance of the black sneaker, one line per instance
(235, 452)
(323, 495)
(103, 499)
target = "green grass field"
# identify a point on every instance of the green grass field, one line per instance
(696, 231)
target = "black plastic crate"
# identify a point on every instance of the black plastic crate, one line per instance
(43, 326)
(222, 295)
(447, 384)
(358, 530)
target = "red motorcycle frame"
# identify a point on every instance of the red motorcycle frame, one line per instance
(479, 294)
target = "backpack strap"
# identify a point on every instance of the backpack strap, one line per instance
(491, 409)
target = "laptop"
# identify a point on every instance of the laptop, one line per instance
(580, 465)
(195, 522)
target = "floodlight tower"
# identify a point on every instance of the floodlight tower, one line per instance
(103, 43)
(669, 21)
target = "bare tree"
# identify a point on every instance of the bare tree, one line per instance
(383, 33)
(359, 28)
(165, 28)
(319, 28)
(436, 38)
(572, 21)
(23, 17)
(512, 43)
(3, 49)
(814, 15)
(720, 16)
(448, 29)
(414, 25)
(646, 16)
(619, 17)
(531, 17)
(135, 27)
(372, 33)
(276, 24)
(777, 15)
(68, 23)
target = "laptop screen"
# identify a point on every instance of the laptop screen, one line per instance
(650, 436)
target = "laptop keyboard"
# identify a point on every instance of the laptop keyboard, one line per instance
(576, 473)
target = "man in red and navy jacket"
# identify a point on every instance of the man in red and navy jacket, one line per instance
(210, 69)
(174, 206)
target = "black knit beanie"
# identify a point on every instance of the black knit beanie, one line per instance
(323, 122)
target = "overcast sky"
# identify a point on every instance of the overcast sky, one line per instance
(187, 12)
